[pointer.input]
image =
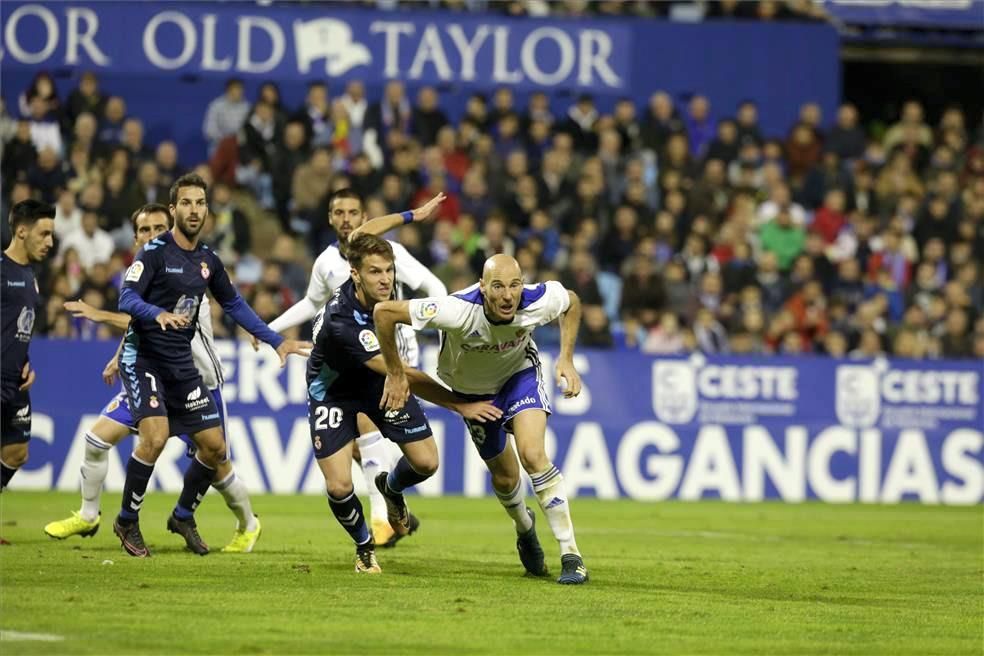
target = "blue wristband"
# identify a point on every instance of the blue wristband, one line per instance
(407, 216)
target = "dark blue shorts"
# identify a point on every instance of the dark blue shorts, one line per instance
(156, 390)
(333, 423)
(15, 426)
(118, 409)
(523, 391)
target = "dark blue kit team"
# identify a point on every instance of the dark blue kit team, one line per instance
(32, 226)
(156, 365)
(340, 385)
(20, 304)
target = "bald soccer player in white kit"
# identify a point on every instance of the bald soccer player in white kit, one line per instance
(488, 353)
(346, 212)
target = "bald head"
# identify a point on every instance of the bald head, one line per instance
(502, 267)
(502, 287)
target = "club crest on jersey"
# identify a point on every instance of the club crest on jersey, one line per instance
(205, 272)
(112, 406)
(135, 271)
(427, 310)
(153, 402)
(186, 306)
(25, 323)
(368, 340)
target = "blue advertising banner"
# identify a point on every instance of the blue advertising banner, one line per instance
(953, 14)
(183, 52)
(740, 429)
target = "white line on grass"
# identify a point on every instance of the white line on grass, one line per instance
(37, 637)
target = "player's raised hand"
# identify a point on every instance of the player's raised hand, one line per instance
(80, 309)
(568, 379)
(481, 411)
(427, 210)
(27, 375)
(171, 320)
(110, 371)
(289, 346)
(396, 391)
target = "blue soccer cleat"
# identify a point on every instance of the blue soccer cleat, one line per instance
(573, 571)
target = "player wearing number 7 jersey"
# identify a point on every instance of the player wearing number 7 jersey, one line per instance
(488, 353)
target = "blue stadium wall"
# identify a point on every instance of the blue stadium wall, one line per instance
(168, 60)
(742, 429)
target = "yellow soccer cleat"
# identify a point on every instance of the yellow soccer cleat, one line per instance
(243, 541)
(365, 561)
(74, 525)
(382, 532)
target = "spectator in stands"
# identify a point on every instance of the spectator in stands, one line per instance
(580, 122)
(748, 125)
(226, 114)
(700, 126)
(44, 126)
(846, 138)
(90, 243)
(133, 141)
(111, 123)
(86, 98)
(315, 114)
(392, 114)
(660, 123)
(427, 117)
(68, 215)
(168, 166)
(911, 121)
(643, 296)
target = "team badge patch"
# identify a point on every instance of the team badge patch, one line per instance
(317, 443)
(205, 272)
(112, 406)
(153, 402)
(368, 340)
(135, 271)
(427, 310)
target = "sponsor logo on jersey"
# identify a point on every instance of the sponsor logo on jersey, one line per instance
(195, 399)
(24, 412)
(416, 429)
(205, 272)
(493, 348)
(214, 415)
(427, 310)
(168, 269)
(368, 340)
(25, 324)
(135, 271)
(16, 283)
(529, 400)
(396, 417)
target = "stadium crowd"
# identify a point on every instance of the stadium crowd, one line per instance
(680, 233)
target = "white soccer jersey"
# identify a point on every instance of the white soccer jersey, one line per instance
(478, 356)
(203, 348)
(331, 270)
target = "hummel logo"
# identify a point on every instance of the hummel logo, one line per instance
(556, 501)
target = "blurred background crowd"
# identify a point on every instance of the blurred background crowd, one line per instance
(847, 235)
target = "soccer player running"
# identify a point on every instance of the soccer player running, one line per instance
(162, 291)
(116, 420)
(345, 378)
(32, 226)
(488, 352)
(346, 212)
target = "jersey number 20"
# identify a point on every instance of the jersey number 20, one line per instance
(327, 417)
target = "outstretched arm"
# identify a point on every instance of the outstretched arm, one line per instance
(86, 311)
(429, 389)
(383, 224)
(386, 315)
(570, 322)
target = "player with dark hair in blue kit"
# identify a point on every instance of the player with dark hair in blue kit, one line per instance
(162, 291)
(32, 226)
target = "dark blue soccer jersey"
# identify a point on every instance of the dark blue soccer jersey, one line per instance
(166, 277)
(19, 301)
(344, 340)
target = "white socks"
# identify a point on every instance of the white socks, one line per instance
(514, 503)
(375, 459)
(95, 465)
(552, 495)
(233, 490)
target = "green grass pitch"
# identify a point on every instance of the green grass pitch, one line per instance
(695, 578)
